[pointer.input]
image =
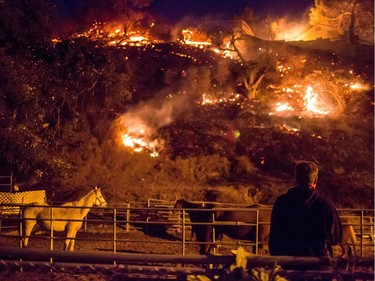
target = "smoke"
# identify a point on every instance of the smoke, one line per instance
(176, 101)
(145, 119)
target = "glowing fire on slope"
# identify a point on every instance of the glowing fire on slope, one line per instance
(138, 137)
(314, 104)
(195, 38)
(139, 144)
(208, 99)
(114, 34)
(321, 93)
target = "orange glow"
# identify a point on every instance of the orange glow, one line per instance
(313, 102)
(208, 99)
(137, 137)
(358, 86)
(283, 107)
(114, 34)
(138, 144)
(195, 38)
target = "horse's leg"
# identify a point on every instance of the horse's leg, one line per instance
(28, 228)
(71, 234)
(264, 231)
(192, 233)
(69, 241)
(219, 237)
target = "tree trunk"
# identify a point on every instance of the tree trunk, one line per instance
(353, 38)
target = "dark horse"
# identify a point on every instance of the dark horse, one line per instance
(197, 215)
(255, 215)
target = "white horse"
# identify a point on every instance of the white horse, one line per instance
(63, 219)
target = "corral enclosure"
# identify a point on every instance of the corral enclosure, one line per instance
(116, 228)
(160, 232)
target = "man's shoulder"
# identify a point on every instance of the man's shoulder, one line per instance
(285, 196)
(322, 197)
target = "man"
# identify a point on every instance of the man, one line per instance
(303, 221)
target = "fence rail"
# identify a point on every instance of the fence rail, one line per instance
(115, 221)
(164, 226)
(12, 259)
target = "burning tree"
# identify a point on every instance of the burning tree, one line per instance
(253, 70)
(355, 17)
(132, 11)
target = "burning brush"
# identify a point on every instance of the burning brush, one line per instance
(138, 137)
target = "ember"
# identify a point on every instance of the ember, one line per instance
(208, 99)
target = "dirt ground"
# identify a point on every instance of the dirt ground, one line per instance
(150, 241)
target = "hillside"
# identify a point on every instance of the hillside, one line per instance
(68, 116)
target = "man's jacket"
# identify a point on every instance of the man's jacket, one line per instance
(302, 223)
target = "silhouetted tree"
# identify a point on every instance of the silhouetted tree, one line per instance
(355, 17)
(25, 25)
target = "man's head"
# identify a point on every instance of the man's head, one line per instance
(306, 174)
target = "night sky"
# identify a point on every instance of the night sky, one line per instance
(174, 10)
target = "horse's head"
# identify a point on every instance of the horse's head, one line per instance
(99, 200)
(179, 203)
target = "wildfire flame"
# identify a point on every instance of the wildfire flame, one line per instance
(195, 38)
(298, 99)
(283, 107)
(313, 103)
(137, 137)
(114, 35)
(139, 144)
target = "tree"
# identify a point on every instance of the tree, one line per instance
(25, 25)
(132, 11)
(353, 16)
(252, 70)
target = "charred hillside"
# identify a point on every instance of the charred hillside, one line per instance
(170, 120)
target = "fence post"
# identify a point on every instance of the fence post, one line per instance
(85, 224)
(21, 234)
(179, 222)
(51, 230)
(51, 233)
(361, 231)
(114, 230)
(127, 228)
(213, 233)
(183, 233)
(257, 233)
(21, 227)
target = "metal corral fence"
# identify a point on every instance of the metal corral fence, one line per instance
(182, 266)
(159, 217)
(114, 230)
